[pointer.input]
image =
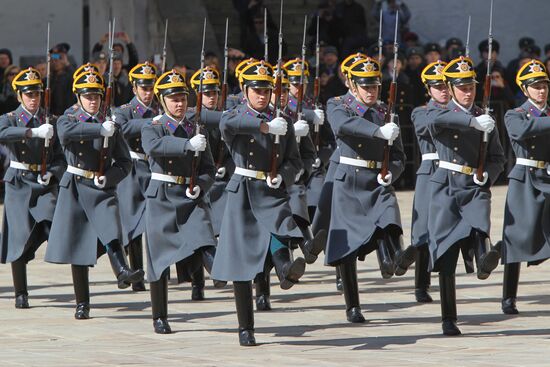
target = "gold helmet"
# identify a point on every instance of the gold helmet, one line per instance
(85, 68)
(210, 80)
(350, 60)
(460, 71)
(433, 73)
(294, 68)
(169, 83)
(530, 73)
(258, 74)
(27, 80)
(144, 74)
(88, 83)
(365, 72)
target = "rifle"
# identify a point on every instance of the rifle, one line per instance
(390, 113)
(278, 92)
(300, 96)
(266, 39)
(47, 92)
(317, 86)
(195, 162)
(486, 100)
(223, 97)
(163, 66)
(380, 42)
(108, 102)
(468, 37)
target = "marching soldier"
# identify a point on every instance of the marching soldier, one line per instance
(86, 221)
(365, 214)
(459, 211)
(432, 78)
(30, 195)
(237, 99)
(177, 215)
(131, 191)
(526, 235)
(260, 224)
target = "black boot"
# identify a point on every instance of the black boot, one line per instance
(135, 255)
(384, 259)
(19, 273)
(124, 274)
(486, 257)
(339, 285)
(348, 271)
(313, 245)
(81, 291)
(422, 275)
(403, 258)
(448, 304)
(159, 305)
(510, 288)
(288, 271)
(197, 285)
(245, 313)
(263, 291)
(208, 253)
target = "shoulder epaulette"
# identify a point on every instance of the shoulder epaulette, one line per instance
(519, 109)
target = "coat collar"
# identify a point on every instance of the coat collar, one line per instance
(84, 116)
(142, 109)
(534, 110)
(25, 116)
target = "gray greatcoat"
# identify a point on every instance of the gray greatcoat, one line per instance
(87, 216)
(360, 205)
(458, 205)
(131, 190)
(526, 233)
(176, 225)
(254, 211)
(27, 202)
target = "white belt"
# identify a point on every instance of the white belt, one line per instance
(138, 156)
(430, 156)
(457, 168)
(360, 163)
(259, 175)
(25, 166)
(180, 180)
(531, 163)
(81, 172)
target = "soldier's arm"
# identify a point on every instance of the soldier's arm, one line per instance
(130, 127)
(438, 117)
(69, 129)
(397, 157)
(418, 118)
(10, 133)
(494, 161)
(58, 165)
(207, 169)
(521, 127)
(292, 163)
(308, 155)
(156, 145)
(234, 122)
(344, 123)
(122, 162)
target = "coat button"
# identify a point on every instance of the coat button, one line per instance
(82, 142)
(250, 166)
(252, 140)
(23, 141)
(169, 185)
(170, 173)
(251, 153)
(531, 158)
(454, 160)
(78, 165)
(137, 139)
(249, 179)
(78, 178)
(531, 169)
(170, 162)
(80, 154)
(455, 149)
(532, 147)
(23, 174)
(455, 136)
(357, 170)
(359, 145)
(277, 155)
(454, 173)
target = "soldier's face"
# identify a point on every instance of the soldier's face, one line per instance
(294, 88)
(176, 105)
(31, 101)
(258, 98)
(91, 102)
(368, 94)
(538, 92)
(210, 99)
(145, 94)
(440, 93)
(465, 94)
(284, 97)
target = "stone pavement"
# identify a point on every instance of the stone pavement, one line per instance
(307, 326)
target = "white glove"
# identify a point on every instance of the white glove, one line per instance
(299, 174)
(548, 170)
(485, 178)
(301, 128)
(483, 123)
(44, 131)
(388, 132)
(317, 163)
(319, 118)
(157, 117)
(100, 181)
(195, 194)
(275, 183)
(198, 143)
(220, 173)
(44, 180)
(107, 129)
(386, 181)
(277, 126)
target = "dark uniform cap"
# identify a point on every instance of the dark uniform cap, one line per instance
(294, 68)
(88, 83)
(84, 69)
(365, 72)
(460, 71)
(432, 47)
(453, 41)
(63, 47)
(433, 73)
(350, 60)
(525, 42)
(169, 83)
(531, 72)
(28, 80)
(258, 74)
(484, 46)
(144, 74)
(373, 51)
(210, 80)
(411, 51)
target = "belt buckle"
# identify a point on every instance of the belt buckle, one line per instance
(371, 164)
(89, 174)
(541, 164)
(33, 167)
(180, 180)
(467, 170)
(260, 175)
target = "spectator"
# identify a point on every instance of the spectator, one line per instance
(410, 39)
(352, 25)
(101, 61)
(254, 38)
(481, 68)
(5, 61)
(329, 61)
(389, 14)
(332, 86)
(42, 69)
(133, 58)
(234, 57)
(61, 81)
(524, 45)
(329, 33)
(452, 44)
(547, 51)
(122, 88)
(211, 59)
(432, 52)
(8, 97)
(415, 65)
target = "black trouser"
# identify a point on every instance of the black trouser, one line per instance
(81, 283)
(159, 296)
(447, 282)
(244, 305)
(421, 273)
